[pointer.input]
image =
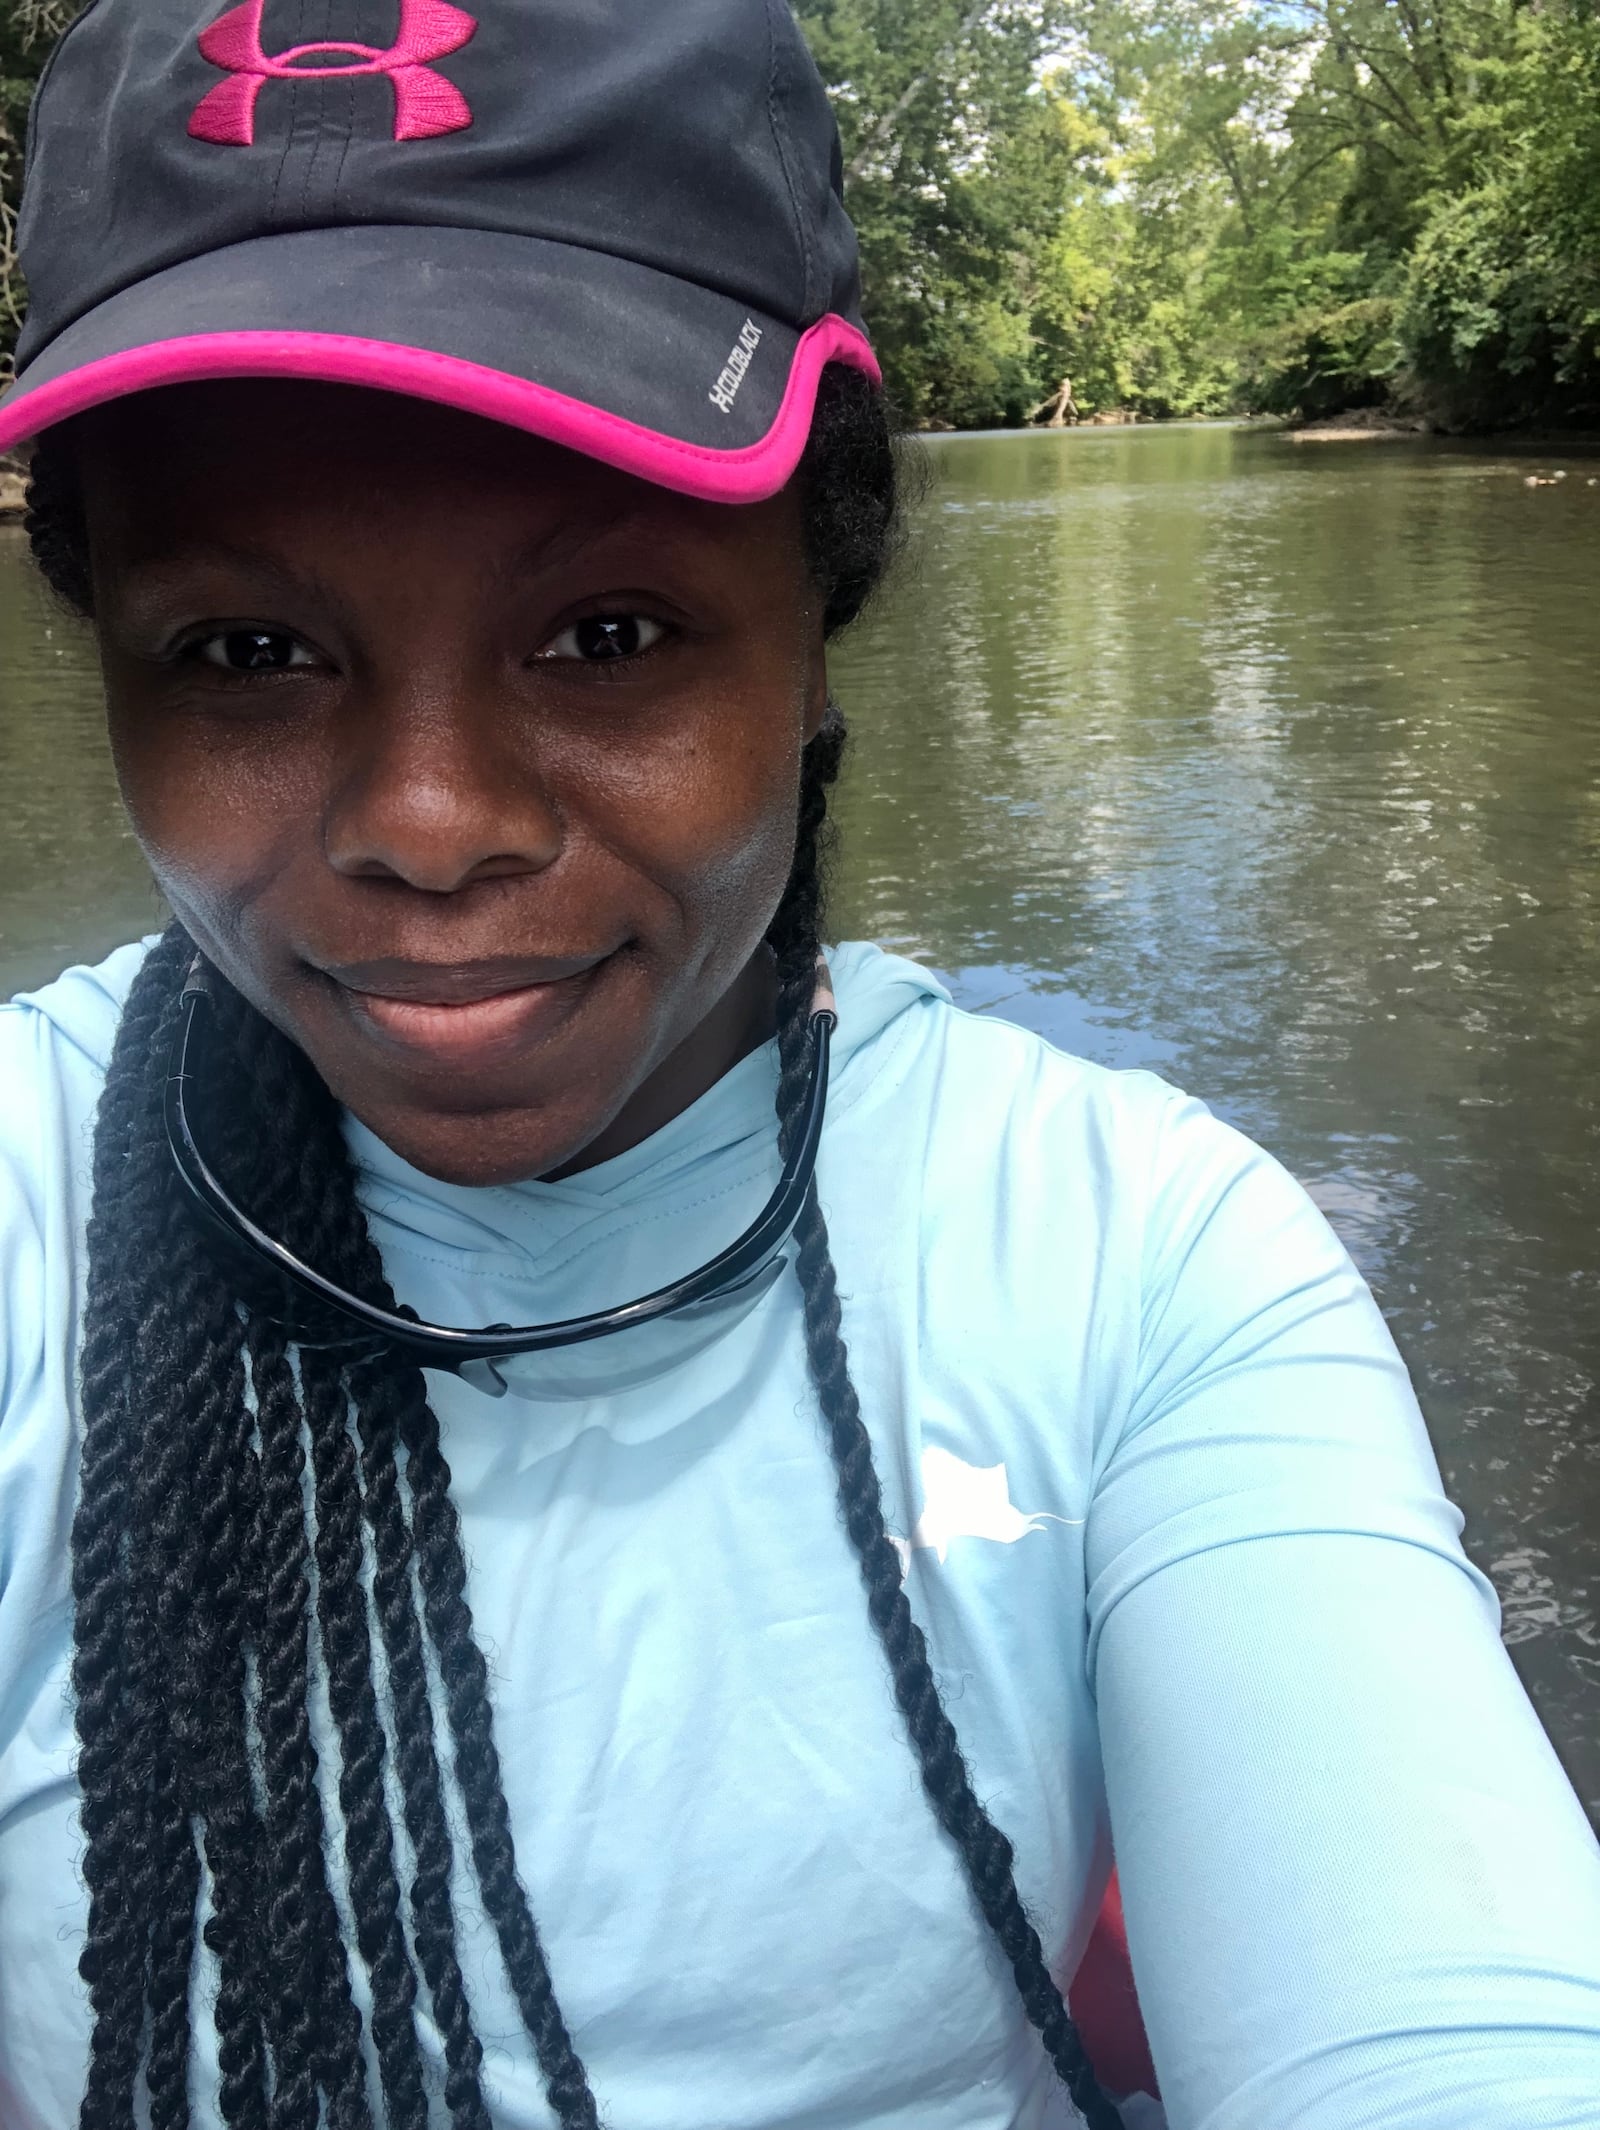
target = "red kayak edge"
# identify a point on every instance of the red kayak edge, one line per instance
(1105, 2006)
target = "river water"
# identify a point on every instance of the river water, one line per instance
(1274, 767)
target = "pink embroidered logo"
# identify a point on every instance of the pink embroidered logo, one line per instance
(425, 103)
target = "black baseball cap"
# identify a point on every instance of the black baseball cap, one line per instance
(615, 223)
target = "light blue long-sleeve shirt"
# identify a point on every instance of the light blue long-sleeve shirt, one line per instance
(1173, 1528)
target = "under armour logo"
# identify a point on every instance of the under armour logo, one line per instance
(425, 103)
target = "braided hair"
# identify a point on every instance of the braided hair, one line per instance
(212, 1526)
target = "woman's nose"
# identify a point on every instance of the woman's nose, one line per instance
(431, 794)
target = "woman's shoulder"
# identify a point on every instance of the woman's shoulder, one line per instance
(55, 1044)
(890, 1003)
(73, 1018)
(996, 1097)
(1077, 1193)
(1048, 1190)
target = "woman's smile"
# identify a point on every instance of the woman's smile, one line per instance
(467, 1014)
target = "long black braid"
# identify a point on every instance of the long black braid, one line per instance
(206, 1590)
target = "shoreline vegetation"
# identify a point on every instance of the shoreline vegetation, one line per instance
(1187, 208)
(1367, 218)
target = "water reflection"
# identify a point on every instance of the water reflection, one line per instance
(1278, 771)
(1273, 769)
(72, 881)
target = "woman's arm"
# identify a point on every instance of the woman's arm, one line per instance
(1360, 1890)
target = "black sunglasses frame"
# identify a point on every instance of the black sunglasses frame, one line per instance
(337, 1319)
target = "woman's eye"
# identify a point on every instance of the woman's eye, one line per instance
(599, 638)
(253, 651)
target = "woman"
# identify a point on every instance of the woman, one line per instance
(429, 1681)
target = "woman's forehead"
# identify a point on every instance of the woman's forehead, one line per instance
(289, 429)
(255, 456)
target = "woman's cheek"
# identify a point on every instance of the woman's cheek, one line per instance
(219, 824)
(721, 830)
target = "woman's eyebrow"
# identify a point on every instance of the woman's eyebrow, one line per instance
(571, 538)
(150, 578)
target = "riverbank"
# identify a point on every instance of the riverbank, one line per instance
(1361, 425)
(1357, 425)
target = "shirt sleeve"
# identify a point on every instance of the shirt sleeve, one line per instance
(1359, 1888)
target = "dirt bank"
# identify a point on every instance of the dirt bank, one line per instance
(1362, 425)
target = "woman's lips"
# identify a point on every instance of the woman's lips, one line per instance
(454, 1026)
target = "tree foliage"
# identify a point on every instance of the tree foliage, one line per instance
(27, 30)
(1189, 206)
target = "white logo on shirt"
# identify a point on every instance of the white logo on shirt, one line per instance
(967, 1501)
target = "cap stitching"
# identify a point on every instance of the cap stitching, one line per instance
(294, 114)
(318, 103)
(349, 101)
(317, 106)
(321, 115)
(349, 118)
(778, 142)
(319, 109)
(350, 112)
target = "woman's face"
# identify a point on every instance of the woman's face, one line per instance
(472, 763)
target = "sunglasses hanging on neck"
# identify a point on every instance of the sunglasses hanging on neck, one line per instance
(621, 1346)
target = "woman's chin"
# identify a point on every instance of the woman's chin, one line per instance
(490, 1091)
(480, 1148)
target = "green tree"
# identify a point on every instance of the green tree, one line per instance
(27, 30)
(1502, 287)
(954, 187)
(1406, 195)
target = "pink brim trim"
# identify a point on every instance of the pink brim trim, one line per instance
(743, 476)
